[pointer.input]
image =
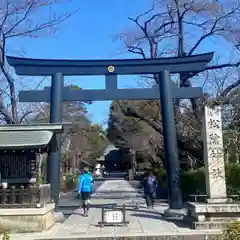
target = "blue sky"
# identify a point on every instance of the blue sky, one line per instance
(88, 35)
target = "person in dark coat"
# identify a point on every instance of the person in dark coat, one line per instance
(150, 186)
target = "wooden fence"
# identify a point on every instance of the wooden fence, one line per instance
(33, 196)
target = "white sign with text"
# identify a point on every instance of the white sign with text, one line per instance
(113, 216)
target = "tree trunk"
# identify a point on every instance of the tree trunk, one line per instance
(12, 93)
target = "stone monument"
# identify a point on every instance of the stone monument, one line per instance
(217, 210)
(214, 156)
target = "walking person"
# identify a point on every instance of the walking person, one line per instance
(150, 186)
(85, 190)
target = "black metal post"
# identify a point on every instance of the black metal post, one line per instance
(54, 157)
(170, 141)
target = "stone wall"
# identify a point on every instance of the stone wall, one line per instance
(27, 219)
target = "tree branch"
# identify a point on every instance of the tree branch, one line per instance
(22, 19)
(25, 115)
(228, 89)
(225, 65)
(137, 50)
(213, 29)
(5, 16)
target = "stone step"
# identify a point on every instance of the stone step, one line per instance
(210, 225)
(167, 236)
(68, 212)
(68, 207)
(118, 196)
(69, 203)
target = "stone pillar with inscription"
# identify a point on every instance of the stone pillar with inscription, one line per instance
(214, 155)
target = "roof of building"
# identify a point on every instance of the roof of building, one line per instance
(27, 136)
(108, 149)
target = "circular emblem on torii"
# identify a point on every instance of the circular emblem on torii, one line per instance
(111, 68)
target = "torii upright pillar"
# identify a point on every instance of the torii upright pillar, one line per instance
(170, 141)
(54, 156)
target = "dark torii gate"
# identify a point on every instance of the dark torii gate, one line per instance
(166, 92)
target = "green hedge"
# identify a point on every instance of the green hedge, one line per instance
(232, 232)
(193, 181)
(233, 178)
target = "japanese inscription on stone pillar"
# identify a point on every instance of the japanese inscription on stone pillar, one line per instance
(214, 155)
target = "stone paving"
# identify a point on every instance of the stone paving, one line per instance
(142, 222)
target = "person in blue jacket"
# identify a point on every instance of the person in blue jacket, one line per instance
(85, 186)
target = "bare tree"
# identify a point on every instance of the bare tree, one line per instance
(180, 28)
(20, 19)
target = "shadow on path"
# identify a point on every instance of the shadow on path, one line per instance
(144, 210)
(157, 216)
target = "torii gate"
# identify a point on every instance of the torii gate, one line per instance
(166, 92)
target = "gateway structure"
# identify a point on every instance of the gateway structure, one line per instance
(166, 92)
